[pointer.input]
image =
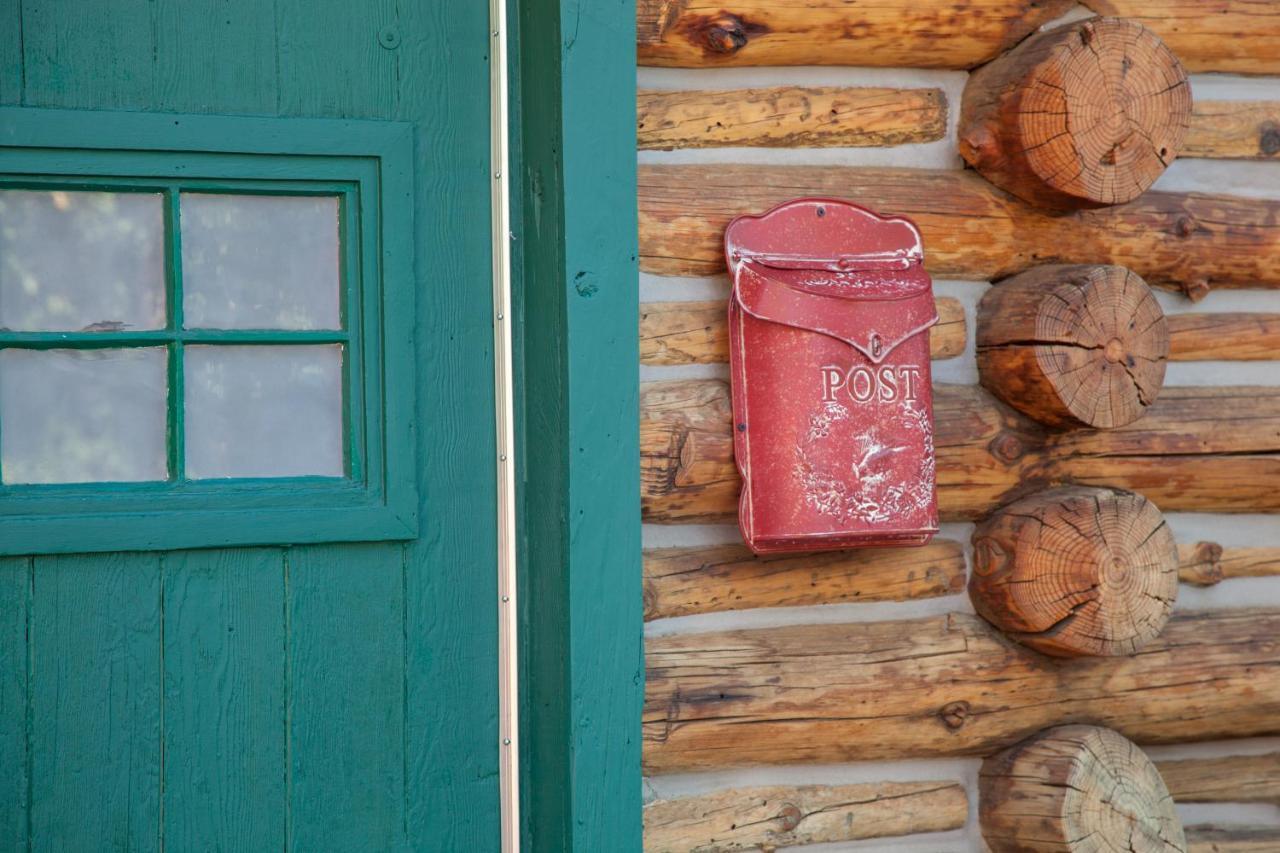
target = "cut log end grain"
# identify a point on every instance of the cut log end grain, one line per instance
(1084, 115)
(1076, 571)
(1077, 789)
(1073, 345)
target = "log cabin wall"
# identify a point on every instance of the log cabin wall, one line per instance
(849, 700)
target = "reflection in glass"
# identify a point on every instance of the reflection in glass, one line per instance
(260, 262)
(263, 411)
(73, 261)
(79, 416)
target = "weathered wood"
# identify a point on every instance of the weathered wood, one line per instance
(698, 332)
(971, 229)
(1073, 345)
(1076, 789)
(683, 581)
(1195, 449)
(1235, 130)
(1083, 115)
(1228, 779)
(1235, 839)
(1076, 571)
(789, 117)
(929, 33)
(1207, 563)
(947, 685)
(1226, 337)
(1241, 36)
(787, 816)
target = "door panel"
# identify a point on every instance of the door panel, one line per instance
(316, 698)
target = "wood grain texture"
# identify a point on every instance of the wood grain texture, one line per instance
(684, 581)
(1207, 563)
(1228, 779)
(1076, 789)
(224, 706)
(95, 703)
(1076, 571)
(1073, 346)
(1206, 838)
(789, 117)
(345, 664)
(816, 693)
(15, 586)
(1241, 36)
(698, 332)
(786, 816)
(1238, 36)
(1195, 449)
(1224, 337)
(1054, 120)
(931, 33)
(971, 230)
(1234, 130)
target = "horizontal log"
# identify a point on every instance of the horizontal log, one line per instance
(790, 815)
(1207, 563)
(971, 230)
(1226, 337)
(789, 117)
(947, 685)
(683, 581)
(1241, 36)
(1194, 449)
(1234, 130)
(698, 332)
(1228, 779)
(1236, 839)
(927, 33)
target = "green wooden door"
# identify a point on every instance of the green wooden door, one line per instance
(322, 697)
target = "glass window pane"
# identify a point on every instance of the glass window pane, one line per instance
(78, 416)
(260, 262)
(72, 261)
(263, 411)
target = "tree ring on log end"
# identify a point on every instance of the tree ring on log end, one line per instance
(1073, 345)
(1085, 115)
(1076, 571)
(1077, 789)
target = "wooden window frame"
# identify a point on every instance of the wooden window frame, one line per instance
(368, 166)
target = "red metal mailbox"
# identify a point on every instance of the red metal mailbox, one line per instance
(832, 399)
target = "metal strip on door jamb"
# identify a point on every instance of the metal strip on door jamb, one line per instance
(504, 414)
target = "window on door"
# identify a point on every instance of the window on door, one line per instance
(218, 343)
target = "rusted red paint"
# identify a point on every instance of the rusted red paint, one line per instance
(832, 398)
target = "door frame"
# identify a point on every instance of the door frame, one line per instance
(576, 300)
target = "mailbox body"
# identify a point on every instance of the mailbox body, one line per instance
(832, 397)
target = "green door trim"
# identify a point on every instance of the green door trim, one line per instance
(581, 647)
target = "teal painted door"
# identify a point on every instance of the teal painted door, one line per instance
(309, 698)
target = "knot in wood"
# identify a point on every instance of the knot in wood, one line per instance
(789, 817)
(1084, 115)
(1269, 139)
(1007, 447)
(725, 34)
(1184, 227)
(1196, 289)
(954, 714)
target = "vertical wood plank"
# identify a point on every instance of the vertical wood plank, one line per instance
(96, 765)
(332, 60)
(15, 577)
(89, 55)
(215, 57)
(10, 53)
(224, 700)
(346, 697)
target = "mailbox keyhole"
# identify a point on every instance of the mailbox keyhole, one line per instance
(876, 346)
(822, 211)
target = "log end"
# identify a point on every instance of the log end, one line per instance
(1076, 788)
(1085, 115)
(1074, 345)
(1076, 571)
